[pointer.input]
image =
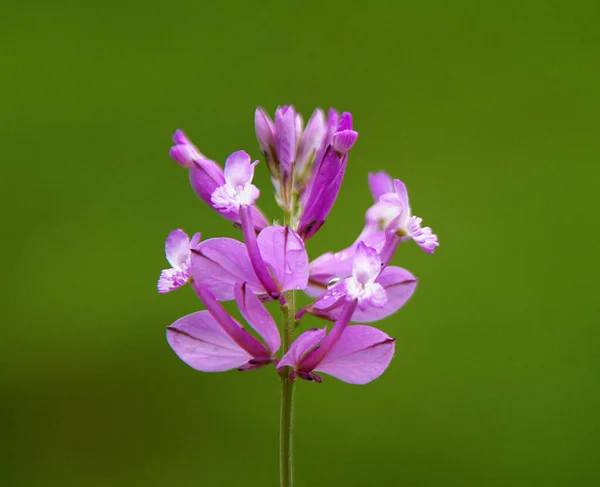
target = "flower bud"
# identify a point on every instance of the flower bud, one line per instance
(343, 141)
(312, 138)
(184, 152)
(285, 136)
(265, 133)
(344, 137)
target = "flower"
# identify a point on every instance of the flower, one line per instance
(344, 137)
(310, 142)
(178, 251)
(328, 174)
(207, 176)
(212, 341)
(354, 354)
(287, 126)
(285, 144)
(237, 190)
(379, 291)
(354, 285)
(391, 211)
(278, 253)
(322, 192)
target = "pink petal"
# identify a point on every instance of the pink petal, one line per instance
(360, 355)
(380, 183)
(205, 176)
(284, 254)
(180, 137)
(264, 129)
(239, 170)
(258, 219)
(328, 305)
(345, 122)
(399, 285)
(285, 136)
(311, 139)
(255, 313)
(344, 140)
(327, 269)
(424, 237)
(171, 279)
(177, 248)
(333, 118)
(366, 264)
(200, 342)
(400, 189)
(220, 263)
(254, 254)
(301, 346)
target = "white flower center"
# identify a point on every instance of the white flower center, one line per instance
(227, 197)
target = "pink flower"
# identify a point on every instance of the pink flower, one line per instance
(237, 190)
(178, 250)
(356, 284)
(355, 354)
(212, 341)
(379, 291)
(206, 177)
(391, 211)
(274, 262)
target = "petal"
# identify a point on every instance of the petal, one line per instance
(328, 305)
(315, 356)
(390, 245)
(230, 326)
(299, 124)
(301, 346)
(205, 177)
(345, 122)
(171, 279)
(180, 137)
(311, 140)
(284, 254)
(344, 141)
(258, 219)
(184, 152)
(330, 127)
(324, 189)
(220, 263)
(195, 240)
(264, 129)
(257, 316)
(177, 248)
(366, 264)
(200, 342)
(255, 255)
(333, 119)
(239, 170)
(327, 269)
(424, 237)
(360, 355)
(400, 189)
(379, 184)
(285, 135)
(399, 285)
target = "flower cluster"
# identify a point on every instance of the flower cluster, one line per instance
(355, 285)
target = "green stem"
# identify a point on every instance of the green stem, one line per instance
(287, 396)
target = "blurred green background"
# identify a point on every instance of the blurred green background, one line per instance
(489, 111)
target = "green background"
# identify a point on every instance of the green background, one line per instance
(489, 111)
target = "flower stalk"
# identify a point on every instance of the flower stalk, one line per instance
(287, 397)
